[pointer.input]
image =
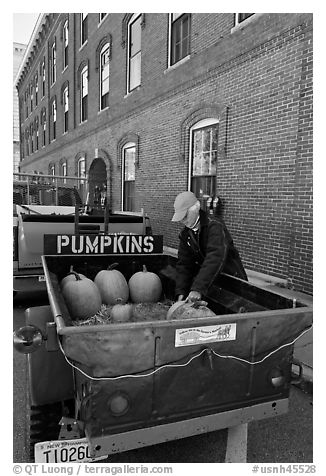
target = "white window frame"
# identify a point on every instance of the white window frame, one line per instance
(64, 171)
(128, 145)
(211, 121)
(101, 20)
(52, 171)
(43, 79)
(237, 22)
(65, 100)
(81, 173)
(36, 89)
(182, 60)
(53, 63)
(83, 87)
(132, 20)
(83, 17)
(54, 119)
(65, 42)
(106, 47)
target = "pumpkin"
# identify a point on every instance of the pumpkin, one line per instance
(82, 297)
(112, 285)
(121, 312)
(70, 277)
(145, 286)
(173, 308)
(189, 310)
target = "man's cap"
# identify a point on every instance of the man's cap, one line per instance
(182, 203)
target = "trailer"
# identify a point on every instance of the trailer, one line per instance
(97, 390)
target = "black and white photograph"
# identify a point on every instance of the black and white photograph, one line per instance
(162, 242)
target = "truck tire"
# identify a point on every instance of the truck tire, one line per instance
(43, 423)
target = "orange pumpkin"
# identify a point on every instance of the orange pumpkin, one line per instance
(121, 312)
(70, 277)
(145, 286)
(112, 285)
(82, 297)
(189, 310)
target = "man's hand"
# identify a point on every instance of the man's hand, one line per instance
(180, 297)
(193, 296)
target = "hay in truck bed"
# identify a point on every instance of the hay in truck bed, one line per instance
(141, 383)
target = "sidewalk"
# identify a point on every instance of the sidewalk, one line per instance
(303, 348)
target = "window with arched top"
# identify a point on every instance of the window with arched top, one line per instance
(203, 157)
(81, 168)
(104, 76)
(83, 28)
(63, 170)
(128, 176)
(65, 102)
(65, 43)
(134, 52)
(84, 94)
(53, 120)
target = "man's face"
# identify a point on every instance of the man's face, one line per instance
(191, 217)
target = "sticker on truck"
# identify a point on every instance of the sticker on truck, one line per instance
(206, 334)
(64, 451)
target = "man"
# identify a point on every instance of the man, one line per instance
(205, 249)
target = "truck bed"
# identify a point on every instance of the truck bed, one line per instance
(172, 370)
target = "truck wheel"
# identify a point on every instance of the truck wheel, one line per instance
(43, 424)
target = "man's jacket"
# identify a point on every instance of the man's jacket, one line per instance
(205, 254)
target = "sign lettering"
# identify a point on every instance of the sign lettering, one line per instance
(102, 244)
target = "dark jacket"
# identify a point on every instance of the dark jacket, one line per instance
(205, 254)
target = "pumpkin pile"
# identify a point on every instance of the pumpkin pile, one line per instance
(106, 299)
(111, 299)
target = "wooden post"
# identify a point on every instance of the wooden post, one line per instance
(106, 218)
(236, 449)
(76, 219)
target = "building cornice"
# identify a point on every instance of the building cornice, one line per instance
(32, 46)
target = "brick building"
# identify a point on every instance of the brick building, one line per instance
(152, 104)
(18, 53)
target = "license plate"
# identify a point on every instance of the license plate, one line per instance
(64, 451)
(41, 278)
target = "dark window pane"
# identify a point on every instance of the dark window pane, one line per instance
(243, 16)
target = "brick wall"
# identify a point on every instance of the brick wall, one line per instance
(257, 81)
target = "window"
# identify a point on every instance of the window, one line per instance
(102, 16)
(43, 122)
(81, 169)
(27, 141)
(52, 170)
(128, 177)
(84, 94)
(105, 74)
(63, 171)
(65, 100)
(65, 44)
(36, 134)
(240, 17)
(203, 160)
(31, 96)
(31, 135)
(134, 52)
(26, 104)
(36, 89)
(83, 28)
(43, 77)
(53, 130)
(53, 60)
(179, 36)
